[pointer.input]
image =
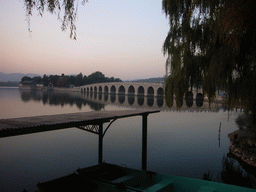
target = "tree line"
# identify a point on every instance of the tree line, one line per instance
(70, 80)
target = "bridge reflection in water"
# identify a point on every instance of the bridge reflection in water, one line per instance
(145, 95)
(97, 101)
(187, 103)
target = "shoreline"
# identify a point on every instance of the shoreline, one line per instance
(243, 146)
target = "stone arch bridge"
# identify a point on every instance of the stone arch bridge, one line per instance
(126, 88)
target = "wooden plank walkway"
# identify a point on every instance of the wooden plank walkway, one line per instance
(26, 125)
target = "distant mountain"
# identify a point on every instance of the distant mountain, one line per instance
(150, 80)
(4, 77)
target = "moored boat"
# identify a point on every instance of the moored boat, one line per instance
(109, 177)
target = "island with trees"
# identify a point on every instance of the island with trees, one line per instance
(67, 81)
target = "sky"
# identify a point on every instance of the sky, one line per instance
(120, 38)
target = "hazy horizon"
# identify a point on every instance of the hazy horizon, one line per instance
(122, 39)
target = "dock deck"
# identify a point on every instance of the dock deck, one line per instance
(87, 121)
(26, 125)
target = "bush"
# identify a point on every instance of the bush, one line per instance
(244, 122)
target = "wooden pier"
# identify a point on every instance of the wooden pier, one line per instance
(88, 121)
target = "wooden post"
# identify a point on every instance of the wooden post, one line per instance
(100, 151)
(144, 141)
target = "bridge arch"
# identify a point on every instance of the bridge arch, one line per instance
(113, 89)
(106, 89)
(100, 89)
(121, 98)
(121, 90)
(150, 91)
(199, 99)
(140, 100)
(105, 97)
(113, 98)
(160, 101)
(160, 91)
(150, 101)
(141, 90)
(189, 99)
(131, 90)
(95, 89)
(131, 99)
(91, 89)
(100, 96)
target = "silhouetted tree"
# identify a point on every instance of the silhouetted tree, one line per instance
(79, 79)
(96, 77)
(66, 81)
(53, 79)
(26, 78)
(62, 81)
(212, 43)
(37, 79)
(71, 80)
(85, 80)
(45, 80)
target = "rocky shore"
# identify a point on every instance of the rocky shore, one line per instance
(243, 146)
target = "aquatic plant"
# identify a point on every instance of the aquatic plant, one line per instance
(231, 174)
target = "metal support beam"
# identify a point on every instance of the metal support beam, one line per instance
(144, 141)
(100, 151)
(90, 128)
(98, 129)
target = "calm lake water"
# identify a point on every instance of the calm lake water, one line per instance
(184, 142)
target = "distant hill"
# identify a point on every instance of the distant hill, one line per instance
(5, 77)
(150, 80)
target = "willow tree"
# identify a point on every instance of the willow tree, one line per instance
(211, 44)
(65, 10)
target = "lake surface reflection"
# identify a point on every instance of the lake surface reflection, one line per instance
(184, 142)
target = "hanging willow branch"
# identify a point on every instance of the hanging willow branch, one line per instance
(65, 10)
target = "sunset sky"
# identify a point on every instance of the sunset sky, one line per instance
(120, 38)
